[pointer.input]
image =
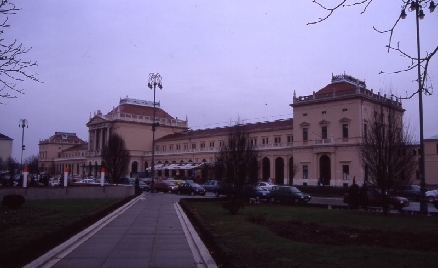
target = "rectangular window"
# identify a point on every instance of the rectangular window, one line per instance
(305, 134)
(186, 146)
(365, 131)
(211, 144)
(171, 148)
(253, 141)
(221, 144)
(178, 147)
(265, 140)
(157, 148)
(437, 148)
(345, 172)
(203, 145)
(290, 138)
(277, 140)
(324, 112)
(305, 171)
(345, 131)
(193, 146)
(164, 148)
(324, 132)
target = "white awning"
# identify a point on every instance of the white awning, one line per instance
(176, 166)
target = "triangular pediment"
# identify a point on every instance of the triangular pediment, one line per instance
(97, 119)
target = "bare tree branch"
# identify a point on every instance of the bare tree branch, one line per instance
(426, 84)
(13, 67)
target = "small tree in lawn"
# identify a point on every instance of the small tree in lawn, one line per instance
(237, 165)
(386, 152)
(116, 157)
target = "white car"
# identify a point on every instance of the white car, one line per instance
(266, 185)
(430, 195)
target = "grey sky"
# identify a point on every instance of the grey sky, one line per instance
(219, 60)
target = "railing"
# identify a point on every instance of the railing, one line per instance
(349, 92)
(323, 142)
(149, 119)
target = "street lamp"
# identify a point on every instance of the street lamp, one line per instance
(417, 6)
(22, 123)
(154, 81)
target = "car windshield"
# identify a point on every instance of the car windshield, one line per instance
(259, 188)
(295, 189)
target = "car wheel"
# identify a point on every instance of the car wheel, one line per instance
(192, 193)
(430, 199)
(216, 194)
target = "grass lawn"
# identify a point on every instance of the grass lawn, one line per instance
(272, 235)
(39, 225)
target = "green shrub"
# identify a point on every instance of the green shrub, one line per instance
(233, 205)
(13, 201)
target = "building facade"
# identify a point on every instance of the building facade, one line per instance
(5, 147)
(321, 142)
(54, 155)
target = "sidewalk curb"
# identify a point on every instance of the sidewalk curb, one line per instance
(199, 250)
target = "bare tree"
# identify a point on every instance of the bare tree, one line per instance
(116, 157)
(13, 67)
(424, 61)
(32, 164)
(237, 164)
(386, 152)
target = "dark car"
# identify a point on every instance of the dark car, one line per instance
(223, 188)
(288, 194)
(255, 193)
(190, 188)
(435, 202)
(165, 187)
(374, 199)
(144, 186)
(209, 186)
(412, 192)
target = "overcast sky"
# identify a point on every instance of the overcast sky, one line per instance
(219, 60)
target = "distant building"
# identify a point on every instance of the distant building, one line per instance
(431, 160)
(51, 149)
(5, 147)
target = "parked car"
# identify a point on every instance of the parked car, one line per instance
(374, 199)
(165, 187)
(190, 188)
(430, 195)
(435, 202)
(288, 194)
(255, 192)
(266, 185)
(210, 185)
(411, 191)
(223, 188)
(144, 186)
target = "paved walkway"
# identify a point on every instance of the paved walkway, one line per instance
(150, 231)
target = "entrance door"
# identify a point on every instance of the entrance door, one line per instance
(325, 169)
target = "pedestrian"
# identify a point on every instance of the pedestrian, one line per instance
(354, 195)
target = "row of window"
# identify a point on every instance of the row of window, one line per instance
(211, 144)
(324, 132)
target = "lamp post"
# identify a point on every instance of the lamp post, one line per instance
(417, 6)
(154, 81)
(22, 123)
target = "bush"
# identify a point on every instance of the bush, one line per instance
(233, 205)
(13, 201)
